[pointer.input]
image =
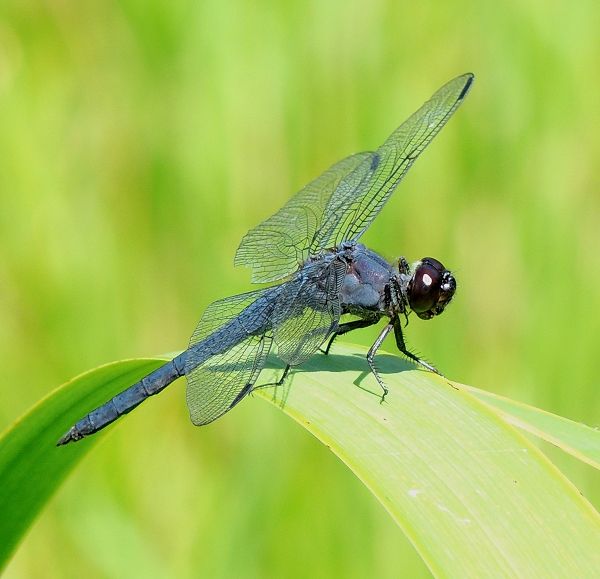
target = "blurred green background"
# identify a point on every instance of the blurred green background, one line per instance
(140, 140)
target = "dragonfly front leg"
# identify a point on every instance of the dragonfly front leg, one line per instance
(371, 358)
(402, 347)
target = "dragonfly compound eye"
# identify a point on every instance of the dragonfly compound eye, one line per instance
(431, 288)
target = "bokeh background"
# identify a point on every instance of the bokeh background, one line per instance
(139, 140)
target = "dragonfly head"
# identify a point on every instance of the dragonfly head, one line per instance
(430, 288)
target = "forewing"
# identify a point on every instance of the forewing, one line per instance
(218, 383)
(308, 310)
(360, 196)
(276, 247)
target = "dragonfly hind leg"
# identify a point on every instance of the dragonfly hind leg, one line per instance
(283, 376)
(274, 385)
(250, 388)
(279, 382)
(349, 327)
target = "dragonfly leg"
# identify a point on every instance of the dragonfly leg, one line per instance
(371, 358)
(402, 347)
(279, 382)
(247, 389)
(283, 376)
(349, 327)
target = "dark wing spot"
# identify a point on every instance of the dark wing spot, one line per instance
(375, 161)
(467, 86)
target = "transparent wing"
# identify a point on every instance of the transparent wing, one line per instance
(277, 246)
(360, 196)
(218, 382)
(308, 310)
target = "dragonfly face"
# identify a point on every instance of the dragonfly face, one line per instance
(430, 289)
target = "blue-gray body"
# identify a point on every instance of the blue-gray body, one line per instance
(310, 247)
(362, 293)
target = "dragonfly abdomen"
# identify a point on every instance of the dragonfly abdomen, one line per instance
(125, 401)
(253, 321)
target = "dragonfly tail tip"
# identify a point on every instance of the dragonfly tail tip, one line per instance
(70, 436)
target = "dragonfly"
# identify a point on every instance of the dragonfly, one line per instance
(311, 248)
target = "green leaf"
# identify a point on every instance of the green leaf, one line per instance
(580, 440)
(471, 493)
(31, 466)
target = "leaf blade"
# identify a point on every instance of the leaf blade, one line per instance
(579, 440)
(456, 470)
(424, 454)
(31, 466)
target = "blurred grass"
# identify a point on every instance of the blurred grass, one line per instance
(140, 140)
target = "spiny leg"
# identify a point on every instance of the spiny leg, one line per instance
(349, 327)
(371, 358)
(402, 347)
